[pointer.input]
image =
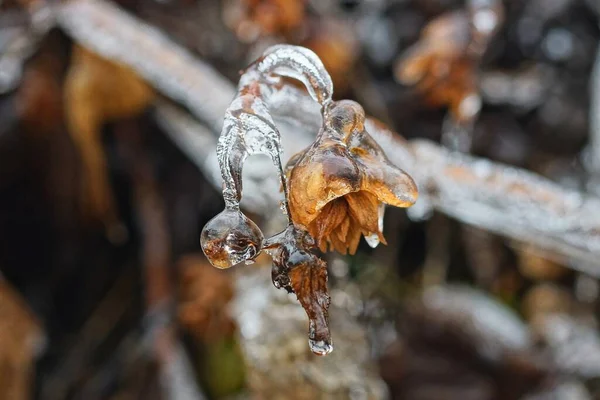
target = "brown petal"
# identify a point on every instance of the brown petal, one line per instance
(343, 228)
(322, 175)
(338, 245)
(353, 238)
(329, 218)
(389, 183)
(364, 208)
(293, 161)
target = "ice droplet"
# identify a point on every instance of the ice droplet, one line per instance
(372, 240)
(319, 338)
(230, 238)
(320, 347)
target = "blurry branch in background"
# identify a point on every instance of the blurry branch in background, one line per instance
(593, 155)
(505, 200)
(110, 312)
(177, 379)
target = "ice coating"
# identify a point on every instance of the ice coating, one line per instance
(297, 270)
(298, 63)
(373, 239)
(339, 182)
(231, 238)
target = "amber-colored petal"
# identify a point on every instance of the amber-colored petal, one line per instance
(292, 162)
(342, 230)
(353, 238)
(335, 244)
(364, 208)
(329, 218)
(395, 187)
(322, 175)
(322, 245)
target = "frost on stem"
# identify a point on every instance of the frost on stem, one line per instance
(348, 176)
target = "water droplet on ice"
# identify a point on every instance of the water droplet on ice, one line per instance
(282, 207)
(320, 347)
(372, 240)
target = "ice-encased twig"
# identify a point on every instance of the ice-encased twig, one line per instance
(249, 128)
(184, 78)
(510, 201)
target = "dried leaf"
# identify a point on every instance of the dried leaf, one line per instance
(303, 273)
(309, 282)
(99, 91)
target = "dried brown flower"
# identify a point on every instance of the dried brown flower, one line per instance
(337, 187)
(441, 67)
(251, 19)
(444, 63)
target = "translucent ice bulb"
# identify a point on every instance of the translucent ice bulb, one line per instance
(230, 238)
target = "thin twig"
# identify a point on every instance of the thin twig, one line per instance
(111, 309)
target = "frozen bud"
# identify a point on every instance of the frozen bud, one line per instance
(230, 238)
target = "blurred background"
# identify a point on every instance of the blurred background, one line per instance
(105, 293)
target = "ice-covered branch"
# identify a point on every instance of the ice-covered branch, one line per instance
(511, 202)
(109, 31)
(505, 200)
